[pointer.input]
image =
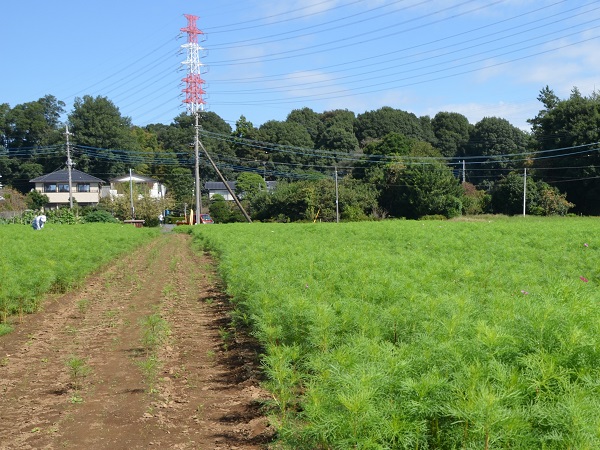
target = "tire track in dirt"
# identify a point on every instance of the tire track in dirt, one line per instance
(205, 396)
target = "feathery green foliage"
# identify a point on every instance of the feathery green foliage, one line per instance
(424, 335)
(56, 258)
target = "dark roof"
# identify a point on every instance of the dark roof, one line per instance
(214, 185)
(217, 185)
(77, 176)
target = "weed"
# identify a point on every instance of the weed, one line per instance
(149, 367)
(173, 264)
(155, 331)
(227, 336)
(169, 291)
(78, 371)
(82, 305)
(5, 329)
(76, 399)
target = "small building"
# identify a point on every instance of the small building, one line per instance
(142, 186)
(85, 189)
(218, 188)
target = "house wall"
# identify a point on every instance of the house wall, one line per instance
(224, 192)
(63, 197)
(154, 190)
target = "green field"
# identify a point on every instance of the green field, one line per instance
(55, 258)
(423, 335)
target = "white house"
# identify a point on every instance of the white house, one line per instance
(85, 189)
(142, 186)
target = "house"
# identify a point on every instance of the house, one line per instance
(142, 186)
(85, 189)
(218, 188)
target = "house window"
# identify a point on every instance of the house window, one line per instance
(83, 187)
(62, 187)
(50, 187)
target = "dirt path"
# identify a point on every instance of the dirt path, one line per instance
(203, 394)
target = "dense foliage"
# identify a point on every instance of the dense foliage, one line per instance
(56, 258)
(434, 335)
(376, 148)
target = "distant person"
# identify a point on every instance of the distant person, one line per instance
(160, 219)
(38, 222)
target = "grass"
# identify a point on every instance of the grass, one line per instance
(56, 258)
(433, 334)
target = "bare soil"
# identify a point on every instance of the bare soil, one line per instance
(205, 393)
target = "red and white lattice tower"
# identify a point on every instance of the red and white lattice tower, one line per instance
(194, 92)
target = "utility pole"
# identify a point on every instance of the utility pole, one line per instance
(197, 169)
(337, 203)
(131, 195)
(463, 172)
(69, 167)
(194, 92)
(524, 190)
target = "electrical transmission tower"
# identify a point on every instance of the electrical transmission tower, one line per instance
(194, 92)
(194, 101)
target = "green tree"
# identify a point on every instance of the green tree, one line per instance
(379, 123)
(314, 200)
(541, 199)
(25, 172)
(98, 123)
(415, 189)
(180, 182)
(564, 124)
(475, 201)
(451, 132)
(219, 209)
(250, 152)
(310, 120)
(33, 124)
(495, 140)
(249, 184)
(285, 134)
(36, 200)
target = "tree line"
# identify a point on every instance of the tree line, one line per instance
(381, 163)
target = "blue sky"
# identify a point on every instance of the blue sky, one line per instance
(266, 58)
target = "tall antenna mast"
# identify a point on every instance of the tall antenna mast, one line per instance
(194, 92)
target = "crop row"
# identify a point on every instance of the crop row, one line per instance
(423, 335)
(55, 258)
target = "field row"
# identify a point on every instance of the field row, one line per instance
(55, 258)
(439, 335)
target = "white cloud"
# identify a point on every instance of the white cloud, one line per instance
(278, 10)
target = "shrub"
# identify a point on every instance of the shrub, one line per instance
(99, 215)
